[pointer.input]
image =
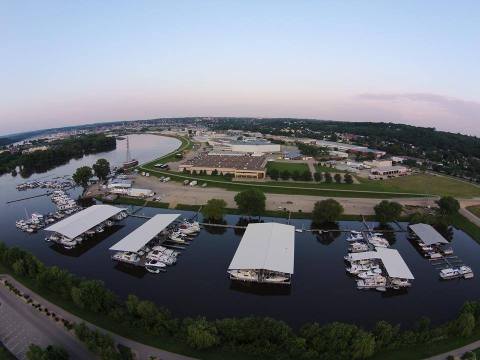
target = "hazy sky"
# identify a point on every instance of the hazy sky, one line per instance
(74, 62)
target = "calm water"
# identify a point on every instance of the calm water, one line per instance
(197, 285)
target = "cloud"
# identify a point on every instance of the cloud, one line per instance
(442, 112)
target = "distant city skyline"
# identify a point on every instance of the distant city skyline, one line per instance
(72, 63)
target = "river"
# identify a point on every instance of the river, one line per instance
(198, 285)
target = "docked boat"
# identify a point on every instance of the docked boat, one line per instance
(399, 283)
(357, 247)
(244, 275)
(369, 273)
(154, 266)
(466, 271)
(450, 273)
(126, 257)
(378, 282)
(378, 241)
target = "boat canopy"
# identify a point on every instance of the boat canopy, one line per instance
(266, 246)
(391, 259)
(138, 238)
(84, 220)
(428, 234)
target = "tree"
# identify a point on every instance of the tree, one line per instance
(214, 209)
(51, 352)
(338, 178)
(82, 175)
(448, 205)
(201, 334)
(326, 211)
(101, 169)
(307, 175)
(215, 172)
(318, 176)
(387, 211)
(251, 202)
(274, 174)
(328, 178)
(285, 175)
(296, 175)
(348, 179)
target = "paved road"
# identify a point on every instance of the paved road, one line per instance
(142, 352)
(22, 325)
(457, 352)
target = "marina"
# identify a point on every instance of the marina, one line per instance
(318, 291)
(439, 252)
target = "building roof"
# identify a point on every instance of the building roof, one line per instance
(391, 259)
(428, 234)
(84, 220)
(143, 234)
(266, 246)
(243, 162)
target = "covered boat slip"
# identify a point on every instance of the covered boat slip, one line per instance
(391, 259)
(138, 238)
(427, 234)
(84, 220)
(265, 254)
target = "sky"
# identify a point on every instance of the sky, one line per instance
(76, 62)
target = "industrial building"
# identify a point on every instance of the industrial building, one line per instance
(384, 172)
(247, 145)
(237, 165)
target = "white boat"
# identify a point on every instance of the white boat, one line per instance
(450, 273)
(99, 229)
(68, 243)
(378, 281)
(355, 237)
(434, 255)
(357, 247)
(276, 278)
(369, 273)
(109, 223)
(126, 257)
(447, 251)
(397, 283)
(378, 241)
(357, 269)
(154, 266)
(466, 271)
(244, 275)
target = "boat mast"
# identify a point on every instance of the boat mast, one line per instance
(129, 157)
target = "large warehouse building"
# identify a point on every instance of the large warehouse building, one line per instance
(238, 165)
(248, 145)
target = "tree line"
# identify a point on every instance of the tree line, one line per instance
(59, 153)
(306, 175)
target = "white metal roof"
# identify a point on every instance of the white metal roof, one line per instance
(143, 234)
(266, 246)
(428, 234)
(391, 259)
(84, 220)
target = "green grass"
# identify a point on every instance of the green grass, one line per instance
(289, 166)
(475, 210)
(426, 184)
(137, 202)
(427, 350)
(186, 145)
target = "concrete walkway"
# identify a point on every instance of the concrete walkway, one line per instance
(141, 351)
(23, 325)
(457, 353)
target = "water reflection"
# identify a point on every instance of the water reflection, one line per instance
(326, 233)
(261, 289)
(388, 232)
(87, 244)
(216, 230)
(243, 222)
(135, 271)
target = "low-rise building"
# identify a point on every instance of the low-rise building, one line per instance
(385, 172)
(238, 165)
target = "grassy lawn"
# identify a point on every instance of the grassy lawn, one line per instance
(137, 202)
(289, 166)
(426, 184)
(475, 210)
